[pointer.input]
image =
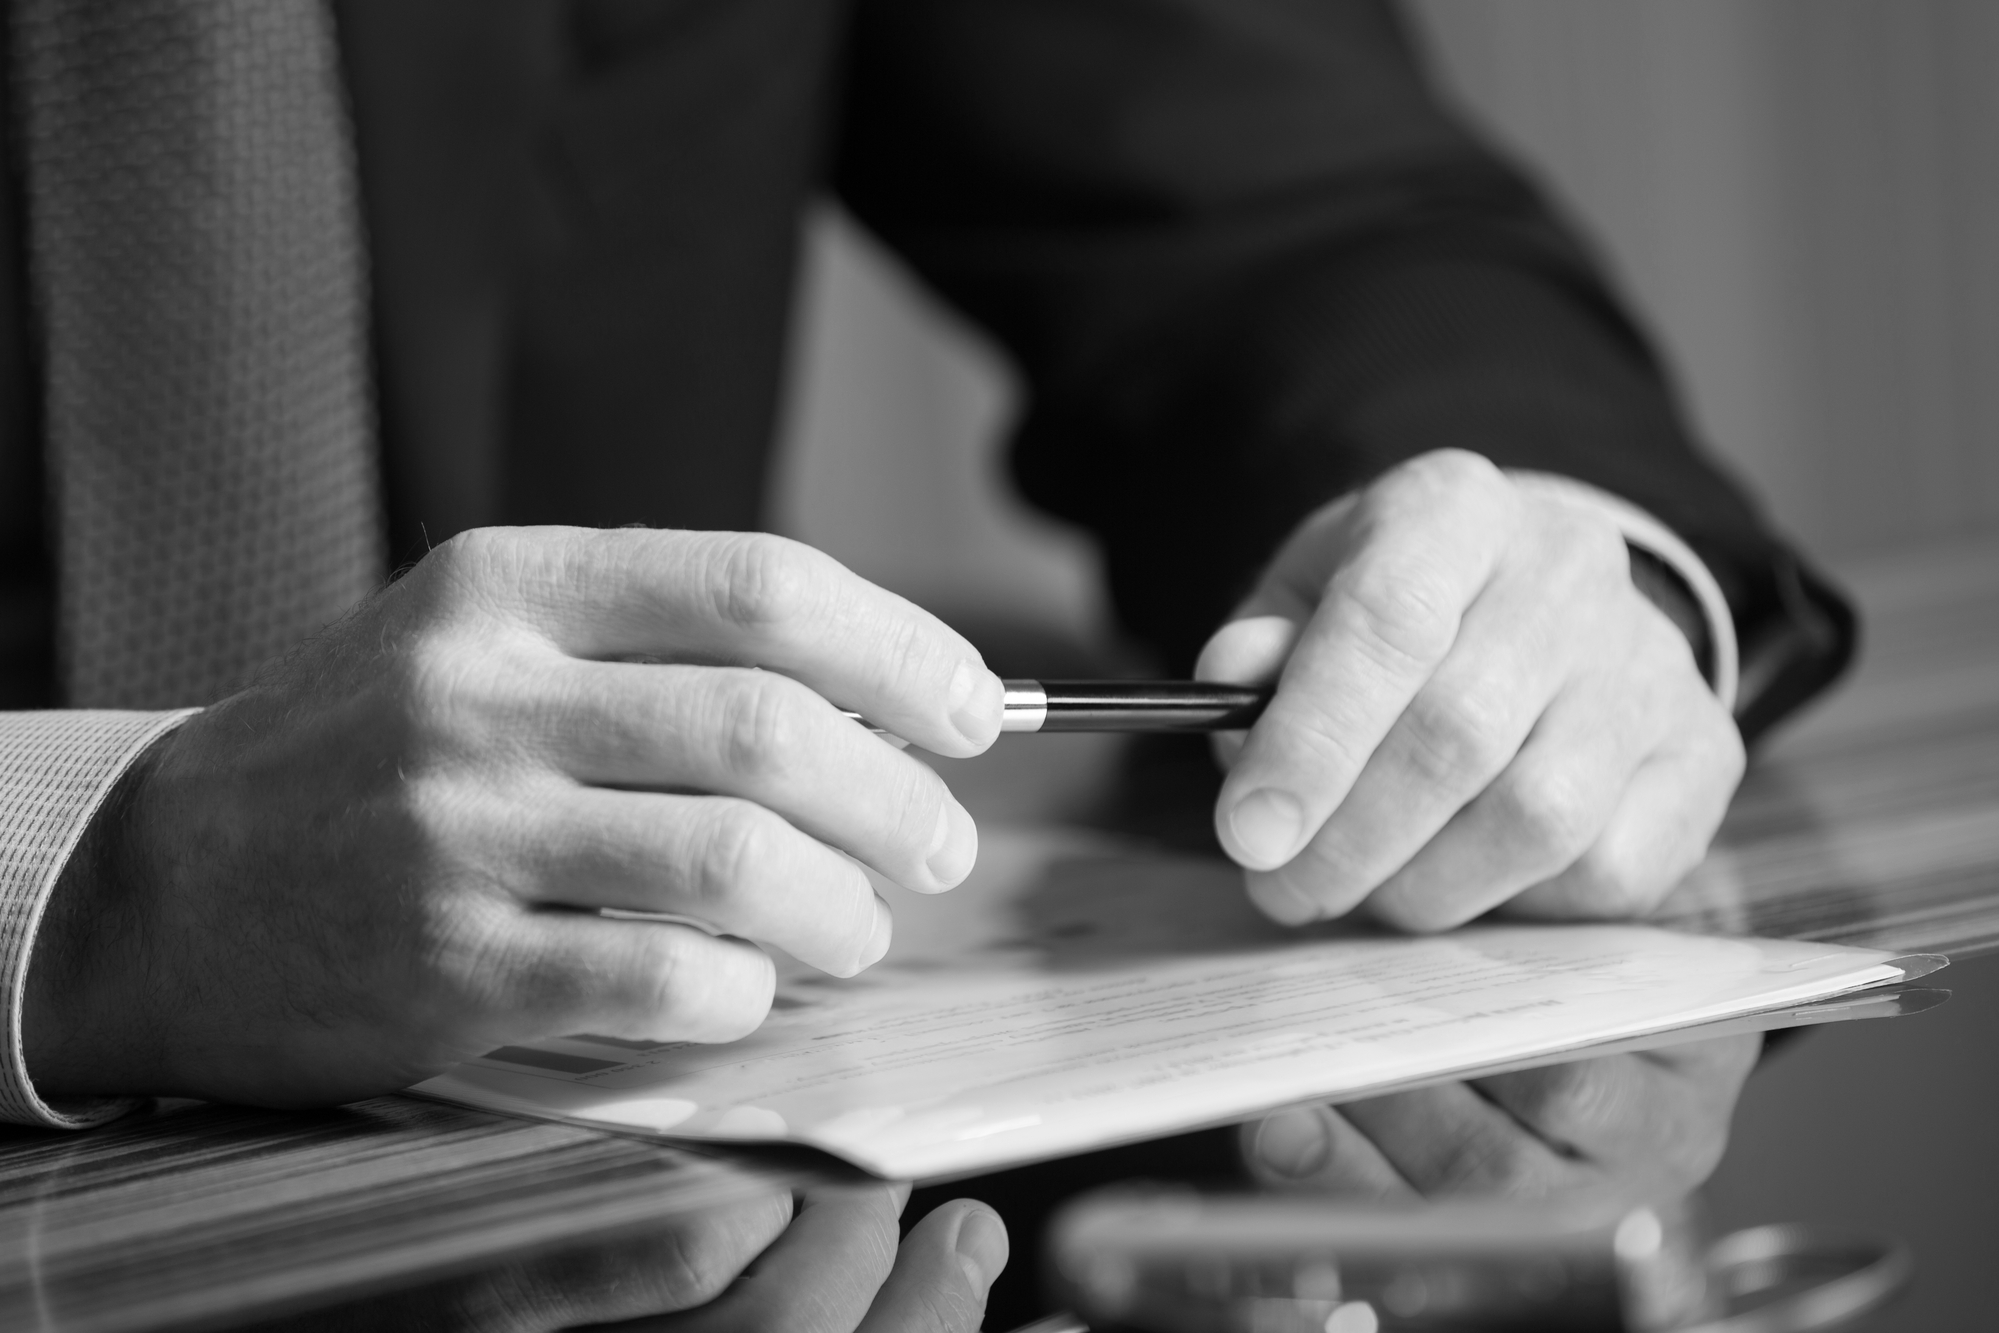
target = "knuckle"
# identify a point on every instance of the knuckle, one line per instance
(1455, 469)
(1615, 885)
(468, 955)
(763, 581)
(1460, 737)
(913, 659)
(660, 986)
(1590, 542)
(1565, 1105)
(435, 822)
(1552, 815)
(681, 985)
(492, 973)
(699, 1262)
(1580, 567)
(1419, 914)
(762, 725)
(474, 548)
(1317, 734)
(453, 578)
(475, 564)
(1483, 1164)
(737, 851)
(457, 697)
(437, 681)
(1402, 609)
(914, 801)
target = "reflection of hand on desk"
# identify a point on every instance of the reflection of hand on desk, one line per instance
(829, 1262)
(1657, 1118)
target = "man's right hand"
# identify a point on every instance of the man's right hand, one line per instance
(384, 857)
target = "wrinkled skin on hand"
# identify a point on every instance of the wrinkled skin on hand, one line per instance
(385, 856)
(1653, 1120)
(1475, 707)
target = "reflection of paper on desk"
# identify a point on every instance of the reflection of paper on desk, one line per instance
(1075, 994)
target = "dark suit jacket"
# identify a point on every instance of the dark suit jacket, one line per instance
(1242, 256)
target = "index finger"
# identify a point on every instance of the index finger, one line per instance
(739, 599)
(1390, 593)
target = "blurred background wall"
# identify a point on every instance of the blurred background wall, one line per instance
(1802, 196)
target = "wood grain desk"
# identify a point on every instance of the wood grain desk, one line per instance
(1876, 820)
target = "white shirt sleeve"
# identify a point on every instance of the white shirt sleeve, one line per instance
(1643, 530)
(56, 768)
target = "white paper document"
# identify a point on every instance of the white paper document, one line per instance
(1076, 993)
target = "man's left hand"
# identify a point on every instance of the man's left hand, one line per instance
(1475, 706)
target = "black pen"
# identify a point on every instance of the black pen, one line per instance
(1129, 705)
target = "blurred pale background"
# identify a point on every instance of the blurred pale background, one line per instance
(1803, 198)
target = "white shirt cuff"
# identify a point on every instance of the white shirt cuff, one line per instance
(56, 768)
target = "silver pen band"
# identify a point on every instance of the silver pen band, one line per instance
(1026, 706)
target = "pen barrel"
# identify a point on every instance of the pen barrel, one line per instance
(1134, 705)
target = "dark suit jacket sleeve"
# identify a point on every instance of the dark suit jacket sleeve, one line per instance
(1246, 262)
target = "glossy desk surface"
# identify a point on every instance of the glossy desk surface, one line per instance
(1875, 820)
(195, 1215)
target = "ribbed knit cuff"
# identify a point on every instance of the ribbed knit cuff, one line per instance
(1642, 530)
(56, 768)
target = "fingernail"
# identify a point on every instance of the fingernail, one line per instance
(1280, 900)
(976, 701)
(1267, 825)
(955, 846)
(877, 947)
(1293, 1144)
(982, 1248)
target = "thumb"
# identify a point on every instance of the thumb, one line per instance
(946, 1266)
